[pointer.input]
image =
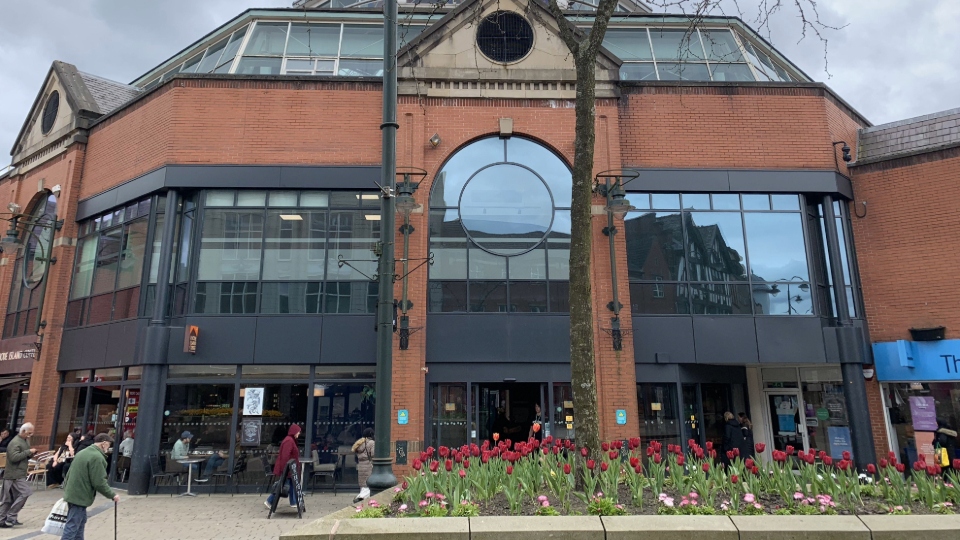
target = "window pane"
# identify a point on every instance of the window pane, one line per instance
(186, 242)
(715, 248)
(720, 299)
(155, 249)
(352, 236)
(447, 296)
(230, 245)
(205, 372)
(488, 296)
(100, 309)
(274, 372)
(558, 246)
(731, 72)
(268, 39)
(226, 59)
(212, 58)
(203, 409)
(683, 72)
(666, 201)
(560, 297)
(362, 40)
(351, 297)
(756, 202)
(721, 46)
(530, 265)
(251, 198)
(528, 297)
(220, 198)
(659, 298)
(126, 303)
(675, 45)
(131, 258)
(459, 168)
(725, 201)
(407, 32)
(259, 66)
(283, 198)
(782, 299)
(231, 297)
(297, 298)
(448, 243)
(361, 68)
(546, 164)
(83, 270)
(844, 264)
(313, 40)
(325, 67)
(634, 71)
(190, 66)
(283, 405)
(314, 199)
(696, 201)
(108, 256)
(640, 201)
(628, 44)
(777, 251)
(485, 265)
(785, 202)
(654, 246)
(294, 245)
(299, 65)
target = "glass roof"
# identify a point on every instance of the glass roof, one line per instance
(329, 43)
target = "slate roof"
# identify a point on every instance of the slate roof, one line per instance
(909, 137)
(109, 95)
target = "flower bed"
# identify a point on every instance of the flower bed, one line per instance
(533, 478)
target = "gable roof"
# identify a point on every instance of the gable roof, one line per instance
(108, 95)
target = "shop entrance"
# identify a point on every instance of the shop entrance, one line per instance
(470, 412)
(787, 420)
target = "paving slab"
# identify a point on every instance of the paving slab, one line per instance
(383, 529)
(913, 527)
(800, 528)
(670, 528)
(536, 528)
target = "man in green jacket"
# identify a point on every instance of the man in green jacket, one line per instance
(87, 477)
(16, 489)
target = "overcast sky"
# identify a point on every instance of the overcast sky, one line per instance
(894, 59)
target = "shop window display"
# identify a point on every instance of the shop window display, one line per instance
(917, 411)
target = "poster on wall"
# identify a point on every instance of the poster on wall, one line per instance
(838, 439)
(923, 410)
(250, 429)
(925, 446)
(253, 402)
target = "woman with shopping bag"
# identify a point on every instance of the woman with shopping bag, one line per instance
(363, 448)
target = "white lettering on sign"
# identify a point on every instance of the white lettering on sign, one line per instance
(17, 355)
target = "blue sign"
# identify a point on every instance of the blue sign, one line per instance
(403, 417)
(909, 361)
(621, 416)
(838, 440)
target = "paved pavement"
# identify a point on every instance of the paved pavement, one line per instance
(162, 517)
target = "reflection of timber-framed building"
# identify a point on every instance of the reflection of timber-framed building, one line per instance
(222, 191)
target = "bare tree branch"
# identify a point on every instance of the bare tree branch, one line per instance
(568, 32)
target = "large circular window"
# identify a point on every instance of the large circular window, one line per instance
(504, 37)
(50, 111)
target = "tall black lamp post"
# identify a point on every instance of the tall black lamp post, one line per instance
(610, 185)
(12, 243)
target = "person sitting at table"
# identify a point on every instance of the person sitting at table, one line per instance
(5, 437)
(57, 467)
(126, 452)
(181, 450)
(214, 463)
(86, 440)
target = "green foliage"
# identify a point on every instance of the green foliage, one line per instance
(547, 511)
(371, 512)
(466, 509)
(433, 510)
(605, 506)
(686, 510)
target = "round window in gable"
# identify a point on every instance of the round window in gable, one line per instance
(50, 112)
(504, 37)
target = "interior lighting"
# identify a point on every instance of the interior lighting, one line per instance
(291, 217)
(319, 390)
(372, 217)
(368, 196)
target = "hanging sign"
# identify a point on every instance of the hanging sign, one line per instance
(253, 402)
(190, 336)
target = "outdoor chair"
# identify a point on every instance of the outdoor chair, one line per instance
(268, 475)
(230, 476)
(323, 469)
(158, 475)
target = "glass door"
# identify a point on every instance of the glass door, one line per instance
(126, 429)
(692, 427)
(450, 414)
(714, 402)
(787, 420)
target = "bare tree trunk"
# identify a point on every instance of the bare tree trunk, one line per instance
(582, 362)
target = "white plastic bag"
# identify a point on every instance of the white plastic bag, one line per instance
(57, 519)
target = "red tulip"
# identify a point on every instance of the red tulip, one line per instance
(922, 459)
(760, 447)
(730, 455)
(604, 466)
(496, 437)
(755, 470)
(584, 451)
(509, 469)
(691, 443)
(566, 468)
(871, 468)
(605, 447)
(417, 464)
(680, 460)
(956, 464)
(614, 454)
(536, 427)
(749, 463)
(844, 464)
(462, 473)
(699, 453)
(466, 464)
(846, 455)
(883, 463)
(404, 485)
(827, 460)
(650, 451)
(591, 464)
(822, 455)
(709, 445)
(901, 467)
(638, 469)
(736, 452)
(448, 465)
(734, 479)
(931, 470)
(790, 450)
(706, 467)
(444, 452)
(434, 465)
(657, 459)
(634, 461)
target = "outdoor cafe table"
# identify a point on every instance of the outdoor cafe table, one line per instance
(188, 463)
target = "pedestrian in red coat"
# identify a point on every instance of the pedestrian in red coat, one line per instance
(288, 450)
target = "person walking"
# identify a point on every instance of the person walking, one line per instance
(746, 426)
(732, 436)
(363, 448)
(288, 450)
(16, 489)
(86, 477)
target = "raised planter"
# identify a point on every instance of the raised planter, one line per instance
(527, 528)
(913, 527)
(669, 528)
(801, 528)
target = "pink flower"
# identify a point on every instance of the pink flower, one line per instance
(668, 502)
(429, 495)
(545, 503)
(423, 503)
(749, 498)
(758, 506)
(359, 509)
(797, 496)
(542, 498)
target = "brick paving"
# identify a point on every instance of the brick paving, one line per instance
(242, 517)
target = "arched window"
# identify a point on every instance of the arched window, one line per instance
(500, 229)
(29, 269)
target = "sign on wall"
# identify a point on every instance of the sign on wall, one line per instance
(250, 429)
(923, 410)
(190, 336)
(253, 402)
(838, 439)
